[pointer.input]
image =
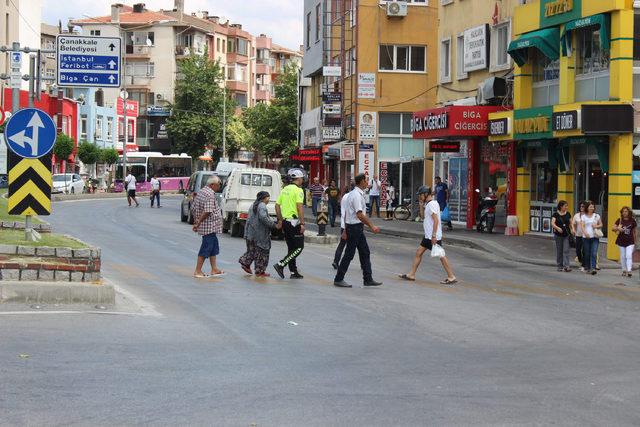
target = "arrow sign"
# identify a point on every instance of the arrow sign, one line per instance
(112, 64)
(111, 78)
(112, 46)
(30, 133)
(88, 61)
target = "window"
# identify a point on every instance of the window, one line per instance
(308, 33)
(50, 73)
(95, 32)
(402, 58)
(83, 126)
(139, 38)
(241, 100)
(242, 47)
(501, 35)
(350, 66)
(590, 56)
(460, 74)
(99, 127)
(217, 45)
(318, 18)
(237, 73)
(109, 128)
(140, 69)
(445, 61)
(544, 69)
(354, 13)
(544, 183)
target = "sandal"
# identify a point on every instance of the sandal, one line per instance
(448, 281)
(220, 274)
(246, 268)
(200, 276)
(405, 277)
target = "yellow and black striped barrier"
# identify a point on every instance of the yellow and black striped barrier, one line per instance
(29, 185)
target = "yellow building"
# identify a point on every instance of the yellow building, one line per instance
(381, 57)
(573, 116)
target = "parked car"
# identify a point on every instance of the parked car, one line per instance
(68, 183)
(196, 182)
(240, 193)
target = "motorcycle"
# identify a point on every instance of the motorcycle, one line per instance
(486, 213)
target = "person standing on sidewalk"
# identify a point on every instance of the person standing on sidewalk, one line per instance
(258, 236)
(591, 234)
(442, 196)
(155, 189)
(355, 219)
(290, 212)
(561, 224)
(333, 197)
(430, 213)
(374, 195)
(343, 236)
(626, 226)
(576, 228)
(208, 224)
(317, 192)
(391, 196)
(130, 184)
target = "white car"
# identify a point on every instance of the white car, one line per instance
(68, 183)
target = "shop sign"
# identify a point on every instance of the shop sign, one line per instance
(331, 109)
(499, 127)
(556, 12)
(384, 183)
(565, 120)
(158, 111)
(444, 146)
(307, 155)
(455, 120)
(132, 108)
(348, 152)
(244, 156)
(533, 123)
(366, 147)
(540, 218)
(365, 162)
(601, 119)
(367, 126)
(331, 133)
(332, 120)
(476, 47)
(332, 98)
(635, 177)
(331, 71)
(366, 85)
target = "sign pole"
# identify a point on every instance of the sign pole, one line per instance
(30, 234)
(15, 92)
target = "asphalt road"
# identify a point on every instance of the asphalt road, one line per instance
(508, 345)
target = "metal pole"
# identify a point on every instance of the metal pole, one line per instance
(224, 119)
(15, 93)
(124, 114)
(29, 234)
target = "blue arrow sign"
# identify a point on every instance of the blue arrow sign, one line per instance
(30, 133)
(88, 61)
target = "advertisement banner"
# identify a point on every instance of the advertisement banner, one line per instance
(366, 85)
(367, 126)
(347, 152)
(455, 120)
(384, 183)
(476, 47)
(365, 162)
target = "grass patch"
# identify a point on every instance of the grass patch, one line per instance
(16, 237)
(4, 216)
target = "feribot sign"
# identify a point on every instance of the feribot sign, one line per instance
(88, 61)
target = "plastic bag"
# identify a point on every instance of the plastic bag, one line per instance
(437, 251)
(444, 215)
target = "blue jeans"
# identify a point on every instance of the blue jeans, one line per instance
(333, 210)
(376, 200)
(155, 196)
(315, 201)
(590, 251)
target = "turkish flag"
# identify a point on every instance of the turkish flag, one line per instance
(496, 15)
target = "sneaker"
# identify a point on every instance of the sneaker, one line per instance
(372, 283)
(279, 269)
(296, 275)
(342, 284)
(567, 269)
(582, 269)
(594, 272)
(560, 269)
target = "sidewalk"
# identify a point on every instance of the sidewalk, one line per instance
(529, 249)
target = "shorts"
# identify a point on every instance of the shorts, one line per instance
(209, 246)
(131, 193)
(426, 243)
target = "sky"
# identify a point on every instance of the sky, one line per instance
(279, 19)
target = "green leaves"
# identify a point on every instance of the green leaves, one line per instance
(88, 153)
(109, 156)
(63, 147)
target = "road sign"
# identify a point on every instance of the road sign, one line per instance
(29, 185)
(89, 61)
(16, 60)
(15, 78)
(30, 133)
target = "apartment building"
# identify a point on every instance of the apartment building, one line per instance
(368, 65)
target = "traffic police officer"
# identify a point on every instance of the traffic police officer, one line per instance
(290, 212)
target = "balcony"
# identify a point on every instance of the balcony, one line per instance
(237, 86)
(138, 52)
(263, 68)
(263, 93)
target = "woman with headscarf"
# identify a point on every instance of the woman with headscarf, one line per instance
(258, 236)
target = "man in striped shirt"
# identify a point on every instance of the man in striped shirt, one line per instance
(317, 192)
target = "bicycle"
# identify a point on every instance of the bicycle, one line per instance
(404, 211)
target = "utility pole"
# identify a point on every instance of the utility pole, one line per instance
(124, 96)
(224, 120)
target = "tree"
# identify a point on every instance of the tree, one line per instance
(196, 122)
(274, 127)
(109, 156)
(89, 154)
(63, 147)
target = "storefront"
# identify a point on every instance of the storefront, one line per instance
(466, 160)
(310, 159)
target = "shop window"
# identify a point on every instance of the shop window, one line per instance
(546, 75)
(389, 148)
(544, 183)
(592, 66)
(390, 123)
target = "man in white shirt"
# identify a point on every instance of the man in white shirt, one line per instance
(430, 212)
(343, 235)
(130, 183)
(155, 190)
(374, 195)
(355, 218)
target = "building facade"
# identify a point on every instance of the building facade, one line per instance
(573, 118)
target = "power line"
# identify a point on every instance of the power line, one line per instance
(24, 19)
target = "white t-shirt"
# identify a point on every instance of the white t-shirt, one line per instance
(355, 203)
(343, 210)
(578, 222)
(432, 208)
(130, 180)
(155, 184)
(589, 223)
(375, 187)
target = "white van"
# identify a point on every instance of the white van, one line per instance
(240, 192)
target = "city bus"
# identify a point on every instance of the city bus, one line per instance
(173, 170)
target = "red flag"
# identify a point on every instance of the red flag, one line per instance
(496, 15)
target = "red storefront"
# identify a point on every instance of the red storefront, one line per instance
(311, 160)
(132, 117)
(466, 160)
(64, 112)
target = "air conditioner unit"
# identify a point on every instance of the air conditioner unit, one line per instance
(159, 96)
(480, 95)
(281, 56)
(396, 9)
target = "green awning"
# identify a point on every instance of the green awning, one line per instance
(601, 21)
(546, 41)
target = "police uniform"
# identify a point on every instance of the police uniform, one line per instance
(289, 198)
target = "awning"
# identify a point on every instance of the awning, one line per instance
(333, 150)
(546, 41)
(601, 21)
(601, 145)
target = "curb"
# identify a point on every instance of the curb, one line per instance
(103, 196)
(57, 293)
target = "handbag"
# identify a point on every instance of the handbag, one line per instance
(572, 240)
(598, 234)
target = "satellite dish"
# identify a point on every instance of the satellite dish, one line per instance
(149, 42)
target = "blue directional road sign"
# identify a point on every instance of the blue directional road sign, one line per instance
(30, 133)
(88, 61)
